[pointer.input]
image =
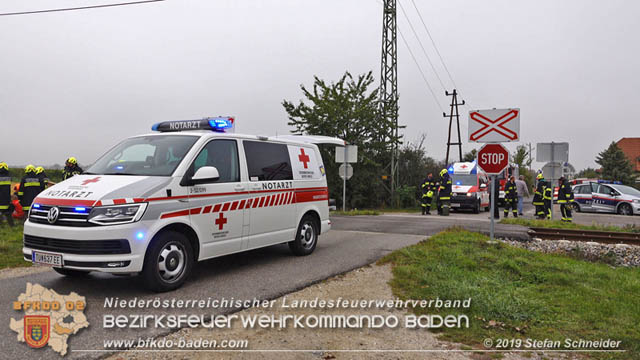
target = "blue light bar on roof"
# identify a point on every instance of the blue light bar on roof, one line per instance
(220, 123)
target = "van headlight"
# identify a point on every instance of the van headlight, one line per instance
(637, 201)
(117, 214)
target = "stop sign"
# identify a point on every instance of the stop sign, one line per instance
(493, 158)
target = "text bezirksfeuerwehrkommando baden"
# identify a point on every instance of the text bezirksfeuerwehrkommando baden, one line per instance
(284, 303)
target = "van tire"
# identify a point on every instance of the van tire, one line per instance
(168, 262)
(476, 209)
(306, 236)
(71, 272)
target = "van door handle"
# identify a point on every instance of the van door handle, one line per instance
(239, 188)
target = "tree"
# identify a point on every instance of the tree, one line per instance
(470, 156)
(615, 165)
(348, 109)
(521, 157)
(589, 173)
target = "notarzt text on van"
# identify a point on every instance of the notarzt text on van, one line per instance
(277, 185)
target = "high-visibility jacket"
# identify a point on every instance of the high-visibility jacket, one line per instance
(44, 180)
(68, 172)
(547, 194)
(565, 194)
(30, 187)
(539, 193)
(428, 187)
(510, 192)
(444, 192)
(5, 190)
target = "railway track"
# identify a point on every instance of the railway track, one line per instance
(605, 237)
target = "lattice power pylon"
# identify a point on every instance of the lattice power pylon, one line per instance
(452, 114)
(389, 83)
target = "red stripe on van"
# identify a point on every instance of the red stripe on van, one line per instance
(175, 214)
(226, 206)
(241, 205)
(206, 209)
(216, 208)
(195, 211)
(234, 205)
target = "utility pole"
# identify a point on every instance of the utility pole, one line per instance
(389, 85)
(453, 113)
(530, 157)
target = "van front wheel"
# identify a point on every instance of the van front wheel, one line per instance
(306, 237)
(168, 262)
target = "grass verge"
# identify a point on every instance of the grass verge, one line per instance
(11, 246)
(518, 293)
(556, 224)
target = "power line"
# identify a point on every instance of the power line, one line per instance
(424, 24)
(435, 98)
(78, 8)
(422, 46)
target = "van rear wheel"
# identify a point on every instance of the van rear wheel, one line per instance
(306, 237)
(168, 262)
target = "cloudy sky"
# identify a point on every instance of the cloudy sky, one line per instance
(75, 83)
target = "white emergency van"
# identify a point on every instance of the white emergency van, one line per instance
(156, 204)
(468, 187)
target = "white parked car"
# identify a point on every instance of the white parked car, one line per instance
(604, 197)
(156, 204)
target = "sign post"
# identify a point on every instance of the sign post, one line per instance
(345, 155)
(493, 159)
(555, 153)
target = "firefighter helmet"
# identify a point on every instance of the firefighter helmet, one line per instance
(72, 160)
(443, 171)
(39, 170)
(540, 176)
(29, 168)
(3, 165)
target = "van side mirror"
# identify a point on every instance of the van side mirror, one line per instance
(205, 174)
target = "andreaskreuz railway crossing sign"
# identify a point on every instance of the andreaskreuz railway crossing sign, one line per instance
(494, 126)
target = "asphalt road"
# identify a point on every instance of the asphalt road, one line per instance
(263, 274)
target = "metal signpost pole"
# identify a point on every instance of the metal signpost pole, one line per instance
(344, 181)
(493, 204)
(551, 180)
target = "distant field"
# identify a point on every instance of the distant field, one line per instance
(11, 246)
(557, 224)
(521, 294)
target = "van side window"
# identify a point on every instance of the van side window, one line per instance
(267, 161)
(223, 154)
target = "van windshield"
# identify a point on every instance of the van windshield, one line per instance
(464, 179)
(157, 155)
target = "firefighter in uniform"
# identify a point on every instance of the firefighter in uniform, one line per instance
(6, 208)
(42, 176)
(71, 168)
(538, 199)
(565, 198)
(511, 198)
(444, 193)
(547, 195)
(428, 186)
(30, 186)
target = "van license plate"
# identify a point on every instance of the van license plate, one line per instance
(455, 204)
(48, 259)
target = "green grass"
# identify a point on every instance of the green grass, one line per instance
(546, 296)
(355, 212)
(11, 246)
(556, 224)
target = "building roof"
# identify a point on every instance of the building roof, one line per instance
(630, 146)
